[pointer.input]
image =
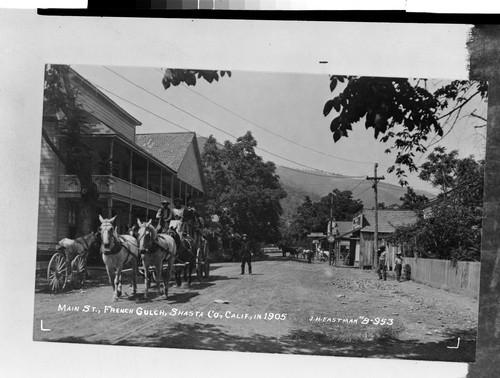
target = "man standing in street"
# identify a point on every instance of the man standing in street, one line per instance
(246, 255)
(382, 267)
(399, 265)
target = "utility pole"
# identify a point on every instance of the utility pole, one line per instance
(375, 179)
(331, 260)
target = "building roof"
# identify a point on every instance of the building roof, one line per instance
(105, 99)
(388, 220)
(344, 228)
(169, 148)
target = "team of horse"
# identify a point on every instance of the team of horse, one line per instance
(292, 251)
(117, 250)
(145, 243)
(297, 252)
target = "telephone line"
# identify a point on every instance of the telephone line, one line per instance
(272, 132)
(184, 128)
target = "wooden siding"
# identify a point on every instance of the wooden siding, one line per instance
(48, 190)
(103, 113)
(462, 277)
(189, 170)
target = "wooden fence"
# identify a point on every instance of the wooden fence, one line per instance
(462, 277)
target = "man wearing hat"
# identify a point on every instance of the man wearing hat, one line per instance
(246, 255)
(164, 215)
(382, 267)
(178, 216)
(399, 265)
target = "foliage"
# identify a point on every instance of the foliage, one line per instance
(314, 216)
(451, 227)
(450, 232)
(61, 104)
(439, 168)
(399, 110)
(177, 76)
(412, 200)
(243, 191)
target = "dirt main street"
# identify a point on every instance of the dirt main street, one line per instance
(285, 306)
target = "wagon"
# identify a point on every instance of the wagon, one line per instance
(77, 251)
(202, 264)
(202, 261)
(57, 277)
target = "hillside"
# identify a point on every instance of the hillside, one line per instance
(299, 183)
(318, 185)
(294, 198)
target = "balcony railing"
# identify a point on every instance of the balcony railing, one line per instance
(112, 185)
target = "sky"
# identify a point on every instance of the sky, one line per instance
(284, 112)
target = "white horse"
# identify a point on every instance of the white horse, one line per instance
(154, 249)
(117, 251)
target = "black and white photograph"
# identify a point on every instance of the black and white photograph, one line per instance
(249, 197)
(330, 215)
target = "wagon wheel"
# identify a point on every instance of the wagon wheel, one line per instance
(79, 267)
(56, 272)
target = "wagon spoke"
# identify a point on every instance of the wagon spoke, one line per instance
(79, 268)
(56, 272)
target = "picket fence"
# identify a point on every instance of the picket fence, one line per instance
(462, 277)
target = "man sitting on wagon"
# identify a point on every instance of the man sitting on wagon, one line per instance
(176, 222)
(164, 216)
(193, 222)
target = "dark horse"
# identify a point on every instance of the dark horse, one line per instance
(186, 256)
(292, 252)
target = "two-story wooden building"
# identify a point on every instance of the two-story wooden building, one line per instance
(132, 181)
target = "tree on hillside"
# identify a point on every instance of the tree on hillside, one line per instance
(243, 190)
(412, 200)
(61, 105)
(314, 216)
(402, 111)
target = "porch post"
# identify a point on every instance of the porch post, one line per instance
(130, 173)
(110, 207)
(161, 182)
(111, 157)
(172, 187)
(147, 185)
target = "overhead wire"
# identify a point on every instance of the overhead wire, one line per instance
(186, 129)
(272, 132)
(314, 172)
(196, 117)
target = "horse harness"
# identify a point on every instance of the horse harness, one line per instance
(187, 245)
(155, 246)
(86, 246)
(117, 246)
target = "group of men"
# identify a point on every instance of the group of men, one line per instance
(382, 264)
(183, 219)
(186, 220)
